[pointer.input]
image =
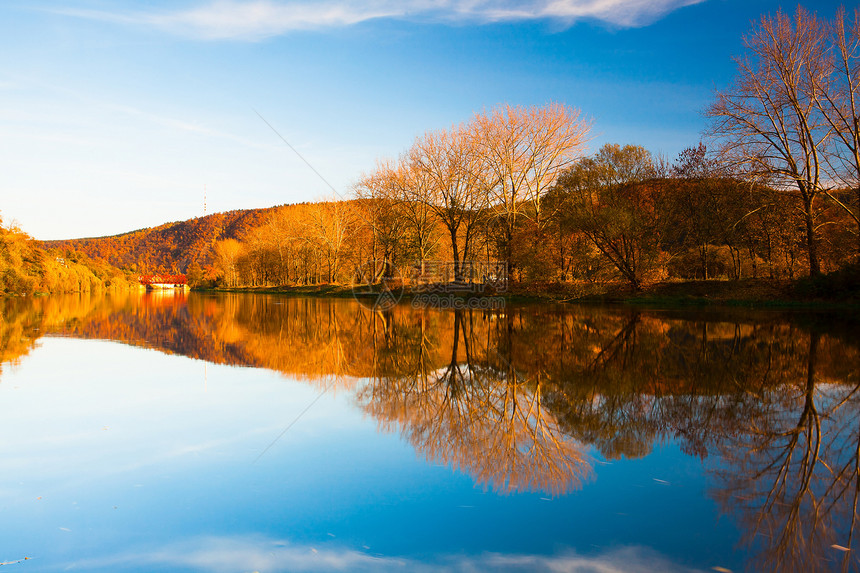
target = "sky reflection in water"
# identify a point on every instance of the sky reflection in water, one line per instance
(521, 440)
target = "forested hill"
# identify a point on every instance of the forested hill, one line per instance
(170, 247)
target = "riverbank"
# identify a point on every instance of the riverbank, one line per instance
(825, 292)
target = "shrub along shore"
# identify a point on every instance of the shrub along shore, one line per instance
(836, 290)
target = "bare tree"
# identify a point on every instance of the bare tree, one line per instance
(382, 212)
(279, 230)
(526, 150)
(450, 180)
(329, 227)
(411, 186)
(839, 104)
(227, 253)
(769, 122)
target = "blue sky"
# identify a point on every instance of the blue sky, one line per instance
(114, 115)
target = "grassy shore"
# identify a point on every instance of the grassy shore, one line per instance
(836, 291)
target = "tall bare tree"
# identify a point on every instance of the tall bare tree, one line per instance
(227, 253)
(452, 176)
(329, 226)
(381, 210)
(768, 120)
(526, 150)
(411, 186)
(840, 106)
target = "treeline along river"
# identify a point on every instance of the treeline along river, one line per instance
(240, 432)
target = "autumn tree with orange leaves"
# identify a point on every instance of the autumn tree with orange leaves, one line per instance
(497, 167)
(454, 189)
(526, 149)
(607, 197)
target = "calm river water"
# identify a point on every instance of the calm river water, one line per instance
(263, 433)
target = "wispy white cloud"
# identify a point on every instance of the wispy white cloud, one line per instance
(254, 553)
(75, 120)
(624, 13)
(259, 19)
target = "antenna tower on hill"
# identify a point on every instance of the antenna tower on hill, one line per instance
(204, 199)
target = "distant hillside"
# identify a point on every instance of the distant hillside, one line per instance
(170, 247)
(27, 268)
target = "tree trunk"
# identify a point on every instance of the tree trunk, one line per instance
(811, 241)
(455, 250)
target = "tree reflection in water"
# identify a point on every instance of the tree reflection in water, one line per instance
(476, 412)
(792, 471)
(512, 397)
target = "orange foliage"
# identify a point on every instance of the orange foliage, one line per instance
(162, 279)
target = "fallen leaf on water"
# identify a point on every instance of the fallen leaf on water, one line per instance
(839, 547)
(721, 569)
